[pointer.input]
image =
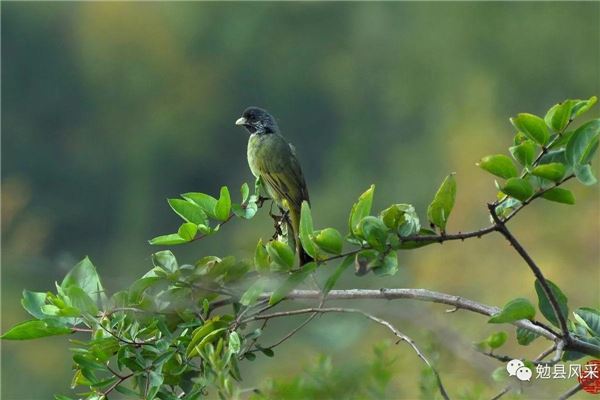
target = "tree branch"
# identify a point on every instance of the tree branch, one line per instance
(536, 271)
(414, 294)
(373, 318)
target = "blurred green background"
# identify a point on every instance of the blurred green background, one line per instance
(110, 108)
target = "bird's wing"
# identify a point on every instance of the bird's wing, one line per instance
(282, 172)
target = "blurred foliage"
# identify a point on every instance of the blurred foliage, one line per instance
(110, 107)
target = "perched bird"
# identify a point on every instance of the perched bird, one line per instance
(273, 161)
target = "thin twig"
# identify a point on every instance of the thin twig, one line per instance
(380, 321)
(571, 392)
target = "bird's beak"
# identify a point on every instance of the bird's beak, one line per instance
(241, 121)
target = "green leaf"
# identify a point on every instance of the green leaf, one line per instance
(544, 303)
(496, 340)
(223, 206)
(291, 282)
(583, 143)
(551, 171)
(245, 191)
(374, 231)
(166, 260)
(247, 211)
(361, 209)
(187, 231)
(261, 258)
(306, 230)
(156, 380)
(514, 310)
(253, 292)
(524, 153)
(168, 240)
(559, 115)
(532, 126)
(389, 265)
(499, 165)
(281, 254)
(81, 301)
(339, 270)
(235, 344)
(518, 188)
(525, 336)
(329, 240)
(33, 302)
(84, 275)
(190, 212)
(402, 218)
(591, 317)
(34, 329)
(206, 202)
(559, 195)
(365, 261)
(440, 208)
(582, 106)
(585, 175)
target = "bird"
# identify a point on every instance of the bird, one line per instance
(273, 161)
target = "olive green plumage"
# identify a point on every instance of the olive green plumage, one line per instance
(272, 159)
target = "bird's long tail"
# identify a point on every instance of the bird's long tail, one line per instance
(294, 227)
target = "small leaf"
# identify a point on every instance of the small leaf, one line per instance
(389, 265)
(248, 211)
(81, 301)
(166, 260)
(253, 293)
(559, 195)
(188, 231)
(365, 261)
(329, 240)
(525, 336)
(156, 380)
(34, 329)
(532, 126)
(223, 206)
(496, 340)
(339, 270)
(524, 153)
(245, 191)
(514, 310)
(206, 202)
(281, 254)
(591, 317)
(85, 276)
(583, 143)
(261, 258)
(291, 282)
(402, 218)
(374, 231)
(544, 303)
(559, 115)
(440, 208)
(168, 240)
(582, 106)
(235, 344)
(551, 171)
(585, 175)
(361, 209)
(306, 230)
(518, 188)
(190, 212)
(499, 165)
(33, 302)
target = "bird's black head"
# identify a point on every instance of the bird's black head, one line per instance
(259, 121)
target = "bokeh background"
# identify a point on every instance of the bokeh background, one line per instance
(110, 108)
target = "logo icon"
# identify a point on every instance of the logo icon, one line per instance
(517, 368)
